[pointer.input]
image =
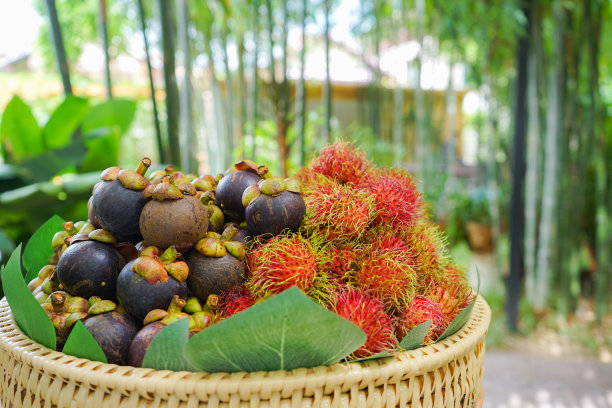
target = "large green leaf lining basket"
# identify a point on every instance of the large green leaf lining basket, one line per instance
(445, 374)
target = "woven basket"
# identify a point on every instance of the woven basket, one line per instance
(446, 374)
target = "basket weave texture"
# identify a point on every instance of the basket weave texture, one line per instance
(446, 374)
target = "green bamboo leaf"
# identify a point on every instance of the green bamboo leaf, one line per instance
(376, 356)
(38, 249)
(81, 344)
(28, 314)
(63, 122)
(415, 337)
(166, 350)
(19, 132)
(284, 332)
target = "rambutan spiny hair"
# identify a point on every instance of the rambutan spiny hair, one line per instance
(341, 161)
(398, 201)
(339, 212)
(280, 263)
(450, 289)
(418, 311)
(368, 313)
(236, 299)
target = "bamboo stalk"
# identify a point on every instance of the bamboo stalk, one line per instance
(102, 19)
(58, 45)
(168, 28)
(255, 88)
(419, 96)
(551, 182)
(327, 91)
(187, 137)
(158, 137)
(301, 91)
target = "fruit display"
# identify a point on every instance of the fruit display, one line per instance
(353, 237)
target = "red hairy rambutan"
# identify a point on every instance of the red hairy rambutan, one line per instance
(368, 313)
(236, 299)
(387, 273)
(339, 212)
(420, 310)
(280, 263)
(398, 202)
(342, 162)
(451, 290)
(428, 245)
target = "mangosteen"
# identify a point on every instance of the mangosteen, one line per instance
(64, 311)
(112, 330)
(173, 217)
(151, 280)
(232, 185)
(118, 200)
(90, 268)
(274, 205)
(215, 266)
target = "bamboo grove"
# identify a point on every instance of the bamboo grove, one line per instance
(541, 67)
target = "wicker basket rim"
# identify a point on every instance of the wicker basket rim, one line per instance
(148, 381)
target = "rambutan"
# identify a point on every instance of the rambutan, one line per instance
(343, 162)
(368, 313)
(428, 245)
(451, 290)
(387, 273)
(398, 202)
(236, 299)
(418, 311)
(339, 261)
(280, 263)
(339, 212)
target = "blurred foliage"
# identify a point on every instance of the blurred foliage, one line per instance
(49, 168)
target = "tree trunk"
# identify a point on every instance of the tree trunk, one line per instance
(158, 137)
(546, 248)
(168, 28)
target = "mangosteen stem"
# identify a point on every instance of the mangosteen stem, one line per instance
(58, 300)
(69, 227)
(169, 255)
(212, 302)
(143, 166)
(176, 305)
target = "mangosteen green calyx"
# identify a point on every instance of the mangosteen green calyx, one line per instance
(274, 205)
(62, 238)
(118, 200)
(215, 265)
(64, 311)
(112, 330)
(173, 217)
(90, 267)
(230, 188)
(215, 214)
(151, 280)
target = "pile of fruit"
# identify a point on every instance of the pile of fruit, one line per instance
(353, 237)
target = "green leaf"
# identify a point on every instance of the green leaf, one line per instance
(28, 314)
(284, 332)
(166, 350)
(113, 113)
(64, 120)
(38, 249)
(81, 344)
(458, 321)
(415, 337)
(48, 164)
(19, 132)
(376, 356)
(102, 152)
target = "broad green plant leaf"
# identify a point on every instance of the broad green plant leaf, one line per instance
(28, 314)
(415, 337)
(64, 121)
(376, 356)
(48, 164)
(81, 344)
(19, 132)
(38, 249)
(284, 332)
(102, 151)
(115, 112)
(166, 350)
